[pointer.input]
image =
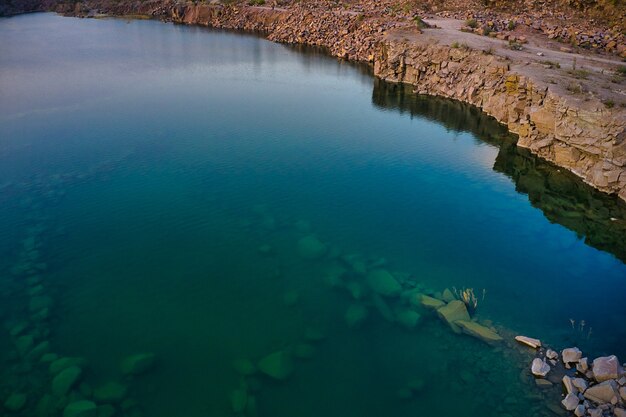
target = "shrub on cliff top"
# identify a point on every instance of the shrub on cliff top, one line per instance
(472, 23)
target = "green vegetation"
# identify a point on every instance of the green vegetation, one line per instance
(579, 74)
(621, 70)
(511, 25)
(420, 22)
(472, 23)
(574, 88)
(609, 103)
(551, 64)
(256, 2)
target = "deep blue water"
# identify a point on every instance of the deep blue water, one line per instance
(155, 181)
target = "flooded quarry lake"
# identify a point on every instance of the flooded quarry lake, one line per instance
(204, 223)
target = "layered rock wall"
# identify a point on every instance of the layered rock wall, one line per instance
(585, 137)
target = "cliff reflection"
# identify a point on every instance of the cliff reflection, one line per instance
(562, 197)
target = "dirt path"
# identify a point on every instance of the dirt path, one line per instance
(572, 73)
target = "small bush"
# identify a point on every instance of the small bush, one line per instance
(621, 70)
(609, 103)
(574, 88)
(472, 23)
(511, 25)
(487, 30)
(516, 46)
(420, 22)
(579, 74)
(551, 64)
(455, 45)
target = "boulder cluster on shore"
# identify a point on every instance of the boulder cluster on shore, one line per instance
(590, 388)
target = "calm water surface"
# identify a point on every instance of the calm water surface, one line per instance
(155, 181)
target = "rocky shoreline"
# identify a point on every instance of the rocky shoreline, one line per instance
(582, 131)
(590, 388)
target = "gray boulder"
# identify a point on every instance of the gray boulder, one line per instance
(605, 368)
(539, 367)
(602, 393)
(571, 355)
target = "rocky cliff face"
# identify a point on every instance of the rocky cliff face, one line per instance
(585, 137)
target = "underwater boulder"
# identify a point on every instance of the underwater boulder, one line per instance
(448, 296)
(15, 402)
(106, 410)
(138, 364)
(239, 400)
(277, 365)
(383, 283)
(355, 289)
(82, 408)
(63, 363)
(111, 392)
(478, 331)
(309, 247)
(408, 318)
(244, 367)
(355, 315)
(453, 312)
(65, 380)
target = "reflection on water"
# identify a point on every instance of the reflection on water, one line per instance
(562, 197)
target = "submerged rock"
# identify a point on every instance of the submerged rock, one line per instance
(239, 400)
(408, 318)
(65, 380)
(309, 247)
(138, 364)
(447, 296)
(539, 367)
(244, 367)
(453, 312)
(382, 307)
(277, 365)
(106, 410)
(605, 368)
(529, 341)
(478, 331)
(81, 408)
(15, 402)
(111, 392)
(63, 363)
(383, 283)
(430, 302)
(355, 315)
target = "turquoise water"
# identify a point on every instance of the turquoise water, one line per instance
(155, 181)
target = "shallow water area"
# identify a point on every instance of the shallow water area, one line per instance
(215, 199)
